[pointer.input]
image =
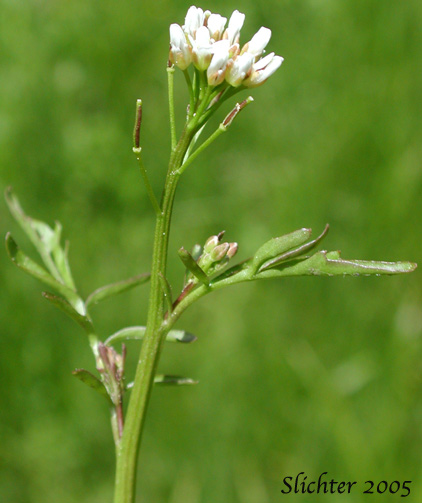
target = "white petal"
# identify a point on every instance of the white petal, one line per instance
(235, 25)
(201, 48)
(241, 66)
(193, 20)
(259, 41)
(179, 49)
(216, 24)
(177, 36)
(258, 77)
(202, 38)
(221, 46)
(217, 68)
(272, 66)
(263, 62)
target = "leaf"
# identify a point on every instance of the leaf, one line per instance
(42, 236)
(92, 381)
(276, 246)
(326, 263)
(67, 308)
(31, 267)
(61, 260)
(295, 252)
(173, 380)
(138, 333)
(115, 288)
(193, 267)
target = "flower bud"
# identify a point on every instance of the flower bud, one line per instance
(196, 251)
(219, 252)
(210, 244)
(231, 252)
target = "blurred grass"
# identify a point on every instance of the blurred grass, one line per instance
(309, 374)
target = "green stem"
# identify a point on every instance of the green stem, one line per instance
(170, 79)
(127, 454)
(147, 183)
(221, 129)
(152, 343)
(191, 94)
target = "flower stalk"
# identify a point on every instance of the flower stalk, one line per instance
(152, 344)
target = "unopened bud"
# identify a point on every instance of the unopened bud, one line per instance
(211, 243)
(231, 252)
(196, 251)
(219, 252)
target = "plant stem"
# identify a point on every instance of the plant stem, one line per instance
(150, 190)
(170, 80)
(127, 455)
(221, 129)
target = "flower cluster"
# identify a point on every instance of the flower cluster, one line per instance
(215, 254)
(205, 41)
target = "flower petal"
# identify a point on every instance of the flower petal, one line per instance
(218, 65)
(238, 70)
(216, 24)
(180, 54)
(194, 19)
(235, 25)
(259, 41)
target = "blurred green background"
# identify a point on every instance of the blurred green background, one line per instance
(304, 374)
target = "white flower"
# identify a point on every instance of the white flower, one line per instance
(216, 70)
(180, 54)
(258, 42)
(205, 41)
(263, 69)
(194, 19)
(216, 24)
(201, 48)
(235, 25)
(239, 68)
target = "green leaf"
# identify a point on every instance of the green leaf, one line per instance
(277, 246)
(93, 382)
(64, 306)
(289, 255)
(326, 263)
(193, 267)
(115, 288)
(60, 256)
(138, 333)
(31, 267)
(163, 380)
(42, 236)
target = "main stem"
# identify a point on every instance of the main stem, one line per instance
(127, 455)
